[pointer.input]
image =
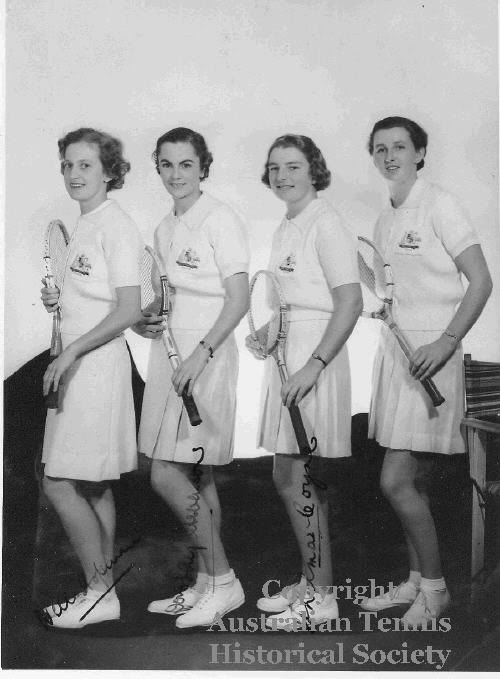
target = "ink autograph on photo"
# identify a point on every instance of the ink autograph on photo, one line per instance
(58, 609)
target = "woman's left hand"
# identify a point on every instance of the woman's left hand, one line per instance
(300, 383)
(56, 370)
(189, 370)
(429, 358)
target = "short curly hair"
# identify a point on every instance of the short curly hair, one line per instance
(320, 174)
(197, 141)
(110, 153)
(417, 134)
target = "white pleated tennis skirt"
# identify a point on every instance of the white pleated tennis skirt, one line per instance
(402, 416)
(165, 432)
(92, 435)
(326, 410)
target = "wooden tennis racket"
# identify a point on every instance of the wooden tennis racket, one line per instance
(55, 247)
(155, 296)
(377, 287)
(268, 313)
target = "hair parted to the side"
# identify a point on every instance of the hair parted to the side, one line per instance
(197, 141)
(417, 134)
(320, 174)
(110, 153)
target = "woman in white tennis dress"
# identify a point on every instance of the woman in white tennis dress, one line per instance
(203, 246)
(426, 238)
(314, 258)
(90, 439)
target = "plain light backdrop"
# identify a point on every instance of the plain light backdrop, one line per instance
(242, 72)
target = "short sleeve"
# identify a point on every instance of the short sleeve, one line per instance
(229, 240)
(451, 224)
(123, 248)
(336, 248)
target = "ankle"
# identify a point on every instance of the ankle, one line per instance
(415, 578)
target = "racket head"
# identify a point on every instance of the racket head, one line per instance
(267, 314)
(154, 283)
(376, 279)
(55, 248)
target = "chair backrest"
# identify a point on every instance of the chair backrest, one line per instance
(482, 387)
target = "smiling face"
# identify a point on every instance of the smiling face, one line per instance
(395, 156)
(180, 171)
(84, 176)
(290, 178)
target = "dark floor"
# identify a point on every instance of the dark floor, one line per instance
(39, 566)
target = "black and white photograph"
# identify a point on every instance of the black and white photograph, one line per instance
(251, 350)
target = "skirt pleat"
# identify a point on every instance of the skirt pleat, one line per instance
(165, 431)
(92, 435)
(402, 416)
(326, 410)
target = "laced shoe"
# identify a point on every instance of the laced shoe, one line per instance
(214, 603)
(86, 608)
(402, 595)
(283, 599)
(316, 611)
(177, 604)
(427, 607)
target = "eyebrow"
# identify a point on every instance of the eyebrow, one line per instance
(186, 160)
(397, 141)
(290, 162)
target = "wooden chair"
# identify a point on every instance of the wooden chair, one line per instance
(482, 427)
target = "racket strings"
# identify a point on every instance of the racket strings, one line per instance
(264, 314)
(58, 251)
(150, 281)
(376, 285)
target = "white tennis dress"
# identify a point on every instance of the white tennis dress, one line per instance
(311, 254)
(420, 240)
(199, 249)
(92, 435)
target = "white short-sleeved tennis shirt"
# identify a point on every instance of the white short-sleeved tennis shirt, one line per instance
(199, 249)
(311, 254)
(104, 253)
(420, 240)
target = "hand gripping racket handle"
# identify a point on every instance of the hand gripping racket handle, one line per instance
(52, 400)
(428, 384)
(191, 409)
(300, 432)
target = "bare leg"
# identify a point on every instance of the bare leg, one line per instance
(307, 508)
(173, 482)
(103, 504)
(208, 491)
(82, 527)
(400, 483)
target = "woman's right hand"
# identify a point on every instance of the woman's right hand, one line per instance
(254, 347)
(150, 326)
(50, 298)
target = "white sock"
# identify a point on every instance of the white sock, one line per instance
(201, 581)
(97, 593)
(222, 580)
(438, 585)
(415, 578)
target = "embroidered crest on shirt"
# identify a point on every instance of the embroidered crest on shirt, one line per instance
(410, 240)
(289, 263)
(188, 258)
(81, 265)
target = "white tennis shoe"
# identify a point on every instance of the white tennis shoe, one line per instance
(402, 595)
(87, 608)
(214, 603)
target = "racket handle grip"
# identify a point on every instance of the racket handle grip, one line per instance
(191, 409)
(300, 432)
(435, 395)
(52, 400)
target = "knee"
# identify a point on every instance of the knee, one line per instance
(57, 490)
(391, 486)
(163, 476)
